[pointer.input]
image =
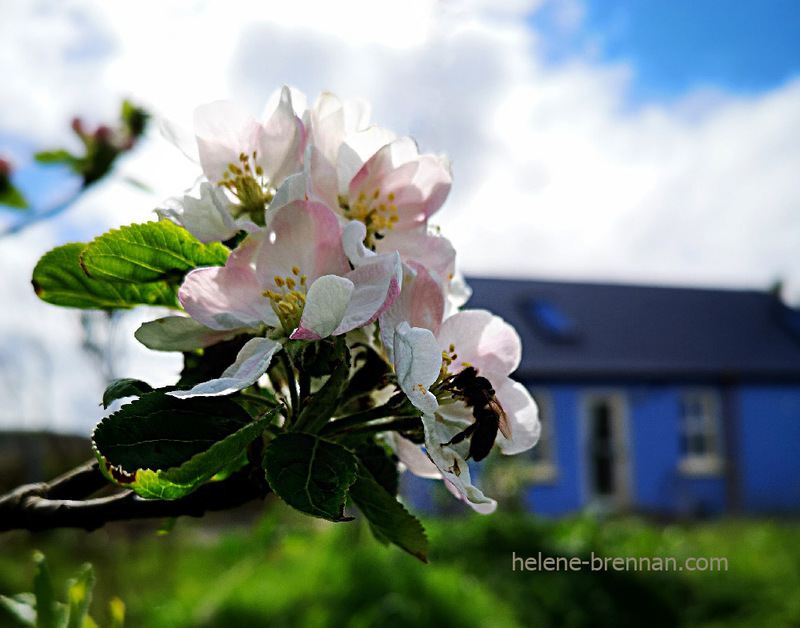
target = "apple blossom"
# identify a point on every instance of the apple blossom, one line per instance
(293, 278)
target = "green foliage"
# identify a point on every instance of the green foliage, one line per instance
(292, 571)
(41, 609)
(136, 265)
(162, 447)
(125, 387)
(318, 410)
(310, 474)
(59, 279)
(10, 196)
(388, 519)
(152, 252)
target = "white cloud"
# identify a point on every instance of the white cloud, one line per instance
(556, 175)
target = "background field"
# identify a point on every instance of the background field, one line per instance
(283, 570)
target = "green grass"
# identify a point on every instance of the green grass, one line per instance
(287, 570)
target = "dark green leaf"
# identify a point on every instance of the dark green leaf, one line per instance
(46, 603)
(387, 517)
(122, 388)
(59, 279)
(322, 404)
(164, 448)
(155, 251)
(317, 358)
(381, 464)
(310, 474)
(370, 375)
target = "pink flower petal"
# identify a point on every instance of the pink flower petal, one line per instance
(483, 340)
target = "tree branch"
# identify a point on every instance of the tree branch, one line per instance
(61, 503)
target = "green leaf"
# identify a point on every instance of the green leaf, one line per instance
(387, 517)
(310, 474)
(11, 196)
(380, 464)
(46, 603)
(55, 157)
(126, 387)
(162, 447)
(22, 607)
(59, 279)
(321, 406)
(155, 251)
(79, 595)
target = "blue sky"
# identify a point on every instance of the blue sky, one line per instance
(615, 140)
(673, 46)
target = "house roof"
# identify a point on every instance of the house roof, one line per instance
(588, 330)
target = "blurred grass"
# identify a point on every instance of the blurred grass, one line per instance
(288, 570)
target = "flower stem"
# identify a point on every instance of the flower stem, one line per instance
(359, 418)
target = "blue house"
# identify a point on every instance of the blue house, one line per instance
(654, 399)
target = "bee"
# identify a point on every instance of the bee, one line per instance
(477, 392)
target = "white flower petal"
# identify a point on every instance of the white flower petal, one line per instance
(251, 363)
(180, 137)
(326, 303)
(417, 362)
(451, 462)
(204, 212)
(523, 417)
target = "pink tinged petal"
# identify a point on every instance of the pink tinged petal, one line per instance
(419, 184)
(413, 457)
(523, 416)
(356, 149)
(251, 363)
(179, 333)
(377, 285)
(326, 303)
(417, 361)
(226, 298)
(224, 131)
(281, 141)
(451, 462)
(305, 235)
(417, 246)
(483, 340)
(420, 303)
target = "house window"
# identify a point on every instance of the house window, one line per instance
(700, 439)
(544, 465)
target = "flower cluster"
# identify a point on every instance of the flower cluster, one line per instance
(328, 217)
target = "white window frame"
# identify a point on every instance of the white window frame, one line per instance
(544, 468)
(699, 416)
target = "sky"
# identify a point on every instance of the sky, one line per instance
(645, 141)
